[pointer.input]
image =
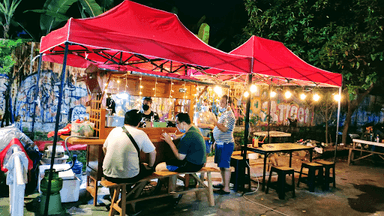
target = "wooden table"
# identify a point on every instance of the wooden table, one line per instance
(268, 149)
(357, 145)
(272, 134)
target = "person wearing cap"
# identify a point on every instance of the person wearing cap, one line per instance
(148, 114)
(223, 134)
(111, 105)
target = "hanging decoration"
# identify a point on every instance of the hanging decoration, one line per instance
(140, 86)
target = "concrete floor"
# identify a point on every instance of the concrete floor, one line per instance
(359, 191)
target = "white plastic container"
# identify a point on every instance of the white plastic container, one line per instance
(71, 184)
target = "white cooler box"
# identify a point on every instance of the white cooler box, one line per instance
(71, 184)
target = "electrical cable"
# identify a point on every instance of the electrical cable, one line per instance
(258, 183)
(274, 210)
(252, 192)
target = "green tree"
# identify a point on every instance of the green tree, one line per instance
(54, 12)
(343, 36)
(7, 10)
(7, 61)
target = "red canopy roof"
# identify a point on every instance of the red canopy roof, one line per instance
(272, 58)
(136, 37)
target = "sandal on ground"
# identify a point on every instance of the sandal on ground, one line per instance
(221, 192)
(220, 186)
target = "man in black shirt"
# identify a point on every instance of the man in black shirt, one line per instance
(148, 114)
(111, 103)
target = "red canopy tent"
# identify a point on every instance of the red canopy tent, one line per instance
(271, 59)
(139, 38)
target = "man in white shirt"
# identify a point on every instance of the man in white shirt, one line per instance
(121, 162)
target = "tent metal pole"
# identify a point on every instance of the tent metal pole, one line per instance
(35, 97)
(269, 110)
(246, 129)
(56, 127)
(337, 126)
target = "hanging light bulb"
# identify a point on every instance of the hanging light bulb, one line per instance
(246, 94)
(303, 96)
(288, 94)
(337, 97)
(253, 88)
(218, 90)
(273, 94)
(316, 97)
(118, 81)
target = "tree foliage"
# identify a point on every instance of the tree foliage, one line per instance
(7, 10)
(54, 12)
(7, 59)
(343, 36)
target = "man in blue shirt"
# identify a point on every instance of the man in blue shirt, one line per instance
(223, 134)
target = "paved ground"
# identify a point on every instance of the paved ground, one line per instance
(359, 191)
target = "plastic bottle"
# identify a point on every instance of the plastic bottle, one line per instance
(77, 167)
(377, 138)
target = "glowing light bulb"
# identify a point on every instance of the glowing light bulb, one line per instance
(141, 93)
(118, 81)
(316, 97)
(337, 97)
(246, 94)
(140, 78)
(303, 96)
(288, 94)
(153, 88)
(218, 90)
(141, 86)
(273, 94)
(253, 88)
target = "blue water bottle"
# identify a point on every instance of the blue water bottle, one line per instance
(77, 167)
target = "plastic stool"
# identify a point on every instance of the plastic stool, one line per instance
(311, 176)
(281, 182)
(328, 165)
(238, 177)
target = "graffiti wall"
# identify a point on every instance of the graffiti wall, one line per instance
(46, 108)
(363, 115)
(281, 110)
(3, 87)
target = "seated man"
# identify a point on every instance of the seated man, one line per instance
(190, 157)
(121, 162)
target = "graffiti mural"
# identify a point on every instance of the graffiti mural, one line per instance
(281, 110)
(48, 98)
(3, 88)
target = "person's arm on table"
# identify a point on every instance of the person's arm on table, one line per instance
(167, 138)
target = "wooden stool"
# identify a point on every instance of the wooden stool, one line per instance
(281, 182)
(311, 176)
(119, 198)
(117, 204)
(328, 165)
(240, 179)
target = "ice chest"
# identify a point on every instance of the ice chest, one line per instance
(71, 184)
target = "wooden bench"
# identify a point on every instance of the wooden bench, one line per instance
(351, 156)
(118, 203)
